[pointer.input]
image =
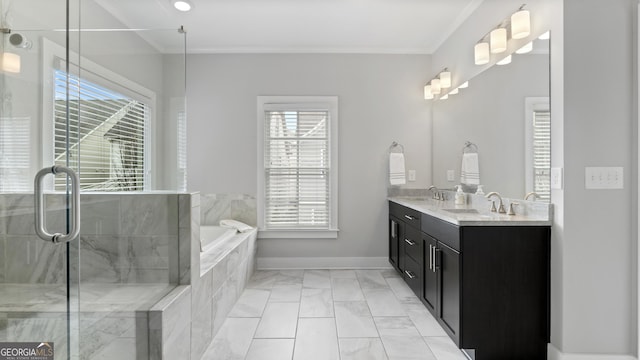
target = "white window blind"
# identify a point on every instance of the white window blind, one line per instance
(542, 153)
(182, 152)
(297, 169)
(15, 149)
(106, 140)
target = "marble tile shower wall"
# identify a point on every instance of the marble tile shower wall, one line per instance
(216, 207)
(125, 238)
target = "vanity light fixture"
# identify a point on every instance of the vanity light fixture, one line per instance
(481, 53)
(10, 62)
(545, 36)
(182, 5)
(520, 24)
(498, 40)
(464, 85)
(505, 61)
(445, 79)
(435, 86)
(526, 48)
(427, 92)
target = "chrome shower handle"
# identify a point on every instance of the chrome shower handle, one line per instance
(40, 217)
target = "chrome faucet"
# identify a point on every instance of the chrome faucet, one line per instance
(493, 203)
(534, 194)
(436, 194)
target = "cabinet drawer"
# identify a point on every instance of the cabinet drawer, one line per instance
(413, 276)
(443, 231)
(408, 216)
(413, 244)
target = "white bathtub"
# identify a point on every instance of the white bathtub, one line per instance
(211, 236)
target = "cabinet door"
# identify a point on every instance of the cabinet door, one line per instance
(448, 262)
(430, 273)
(394, 236)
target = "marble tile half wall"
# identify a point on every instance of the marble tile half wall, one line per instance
(125, 238)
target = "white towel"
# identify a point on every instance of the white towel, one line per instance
(470, 172)
(234, 224)
(396, 169)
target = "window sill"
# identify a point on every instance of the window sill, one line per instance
(298, 234)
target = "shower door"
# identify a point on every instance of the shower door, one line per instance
(39, 279)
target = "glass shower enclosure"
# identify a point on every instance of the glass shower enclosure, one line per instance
(97, 108)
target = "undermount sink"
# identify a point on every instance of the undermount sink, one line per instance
(462, 211)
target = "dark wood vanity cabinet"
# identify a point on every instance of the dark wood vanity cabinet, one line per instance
(406, 246)
(488, 286)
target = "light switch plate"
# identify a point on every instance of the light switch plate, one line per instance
(556, 178)
(412, 175)
(607, 178)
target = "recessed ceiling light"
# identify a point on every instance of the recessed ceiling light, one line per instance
(182, 5)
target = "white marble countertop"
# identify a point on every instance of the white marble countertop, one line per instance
(525, 215)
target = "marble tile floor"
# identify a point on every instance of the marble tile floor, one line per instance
(330, 315)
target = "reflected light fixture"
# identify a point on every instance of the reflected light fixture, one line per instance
(505, 61)
(182, 5)
(498, 40)
(427, 92)
(464, 85)
(454, 91)
(10, 62)
(520, 24)
(525, 49)
(545, 36)
(435, 86)
(481, 53)
(445, 97)
(445, 79)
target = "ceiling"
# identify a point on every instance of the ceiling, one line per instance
(299, 26)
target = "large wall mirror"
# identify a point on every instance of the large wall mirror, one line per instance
(505, 113)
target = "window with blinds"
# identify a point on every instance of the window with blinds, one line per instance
(106, 135)
(542, 154)
(15, 147)
(297, 169)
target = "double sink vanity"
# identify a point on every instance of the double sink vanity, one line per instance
(483, 275)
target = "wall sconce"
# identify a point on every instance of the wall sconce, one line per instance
(520, 24)
(428, 95)
(10, 62)
(481, 53)
(496, 41)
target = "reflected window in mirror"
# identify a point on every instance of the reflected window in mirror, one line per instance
(538, 147)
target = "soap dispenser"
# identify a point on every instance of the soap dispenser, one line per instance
(480, 191)
(459, 195)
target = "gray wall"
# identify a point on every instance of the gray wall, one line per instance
(380, 100)
(593, 306)
(491, 114)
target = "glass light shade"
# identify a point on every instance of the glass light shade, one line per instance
(498, 40)
(525, 49)
(445, 79)
(481, 53)
(427, 92)
(545, 36)
(445, 97)
(182, 5)
(520, 24)
(464, 85)
(435, 86)
(454, 91)
(10, 62)
(504, 61)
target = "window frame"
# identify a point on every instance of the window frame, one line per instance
(53, 53)
(329, 103)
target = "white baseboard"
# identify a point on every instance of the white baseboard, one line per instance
(554, 354)
(273, 263)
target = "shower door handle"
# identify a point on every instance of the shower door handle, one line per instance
(74, 221)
